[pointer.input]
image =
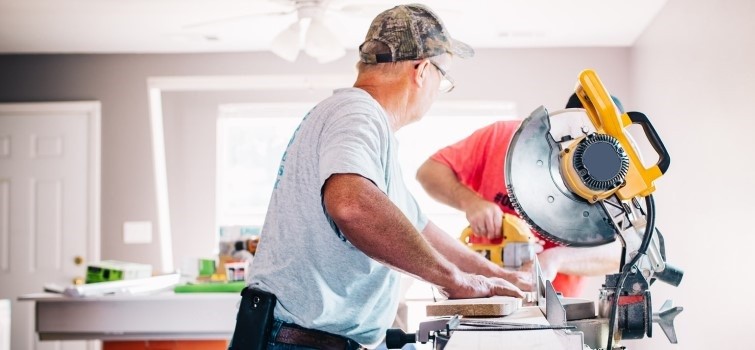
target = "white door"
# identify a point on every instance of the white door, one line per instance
(49, 205)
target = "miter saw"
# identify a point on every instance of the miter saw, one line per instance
(582, 187)
(576, 176)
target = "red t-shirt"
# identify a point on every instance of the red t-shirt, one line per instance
(478, 162)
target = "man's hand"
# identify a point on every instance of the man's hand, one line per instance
(484, 218)
(441, 183)
(478, 286)
(520, 278)
(550, 262)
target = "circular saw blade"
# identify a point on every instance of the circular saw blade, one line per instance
(538, 192)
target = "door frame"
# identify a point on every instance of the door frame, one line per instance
(92, 109)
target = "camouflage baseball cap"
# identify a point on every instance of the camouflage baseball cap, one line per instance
(411, 32)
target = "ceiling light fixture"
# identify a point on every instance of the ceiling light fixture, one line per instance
(309, 32)
(319, 41)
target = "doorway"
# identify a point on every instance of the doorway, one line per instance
(49, 205)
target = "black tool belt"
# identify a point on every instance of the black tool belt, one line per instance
(254, 320)
(295, 335)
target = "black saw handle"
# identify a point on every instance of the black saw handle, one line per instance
(664, 159)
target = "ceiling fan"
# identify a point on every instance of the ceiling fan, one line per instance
(309, 32)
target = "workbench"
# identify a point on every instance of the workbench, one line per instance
(165, 316)
(202, 316)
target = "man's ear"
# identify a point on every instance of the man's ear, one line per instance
(420, 72)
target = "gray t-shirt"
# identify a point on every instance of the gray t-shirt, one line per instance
(321, 280)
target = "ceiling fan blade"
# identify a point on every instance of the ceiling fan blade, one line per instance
(236, 18)
(321, 43)
(286, 44)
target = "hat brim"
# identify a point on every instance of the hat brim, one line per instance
(460, 49)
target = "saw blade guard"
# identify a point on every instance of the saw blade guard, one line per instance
(539, 194)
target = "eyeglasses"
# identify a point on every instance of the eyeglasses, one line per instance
(446, 82)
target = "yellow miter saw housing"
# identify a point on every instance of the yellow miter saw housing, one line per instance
(599, 164)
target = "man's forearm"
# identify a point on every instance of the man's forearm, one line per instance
(594, 261)
(373, 224)
(463, 257)
(440, 182)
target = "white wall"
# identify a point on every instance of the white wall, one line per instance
(693, 74)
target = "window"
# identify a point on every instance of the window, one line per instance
(252, 138)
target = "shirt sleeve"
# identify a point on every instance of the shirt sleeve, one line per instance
(468, 157)
(354, 143)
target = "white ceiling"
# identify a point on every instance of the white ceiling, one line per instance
(142, 26)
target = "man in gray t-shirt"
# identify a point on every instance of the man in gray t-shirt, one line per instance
(341, 223)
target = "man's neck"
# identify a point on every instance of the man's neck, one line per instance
(394, 99)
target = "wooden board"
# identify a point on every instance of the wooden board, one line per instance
(481, 307)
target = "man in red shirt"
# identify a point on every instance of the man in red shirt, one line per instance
(469, 176)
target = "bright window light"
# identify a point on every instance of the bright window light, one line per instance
(251, 141)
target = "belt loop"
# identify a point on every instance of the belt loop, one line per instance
(353, 345)
(277, 324)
